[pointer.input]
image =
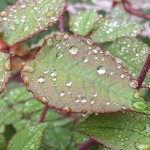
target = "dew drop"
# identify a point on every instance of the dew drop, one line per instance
(3, 14)
(136, 95)
(134, 84)
(107, 103)
(68, 83)
(59, 55)
(83, 112)
(58, 37)
(77, 100)
(50, 42)
(92, 102)
(85, 59)
(122, 76)
(66, 36)
(118, 60)
(139, 105)
(66, 109)
(101, 70)
(62, 93)
(53, 73)
(41, 79)
(28, 69)
(83, 100)
(44, 100)
(73, 50)
(50, 14)
(45, 70)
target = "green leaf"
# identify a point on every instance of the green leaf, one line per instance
(27, 18)
(17, 105)
(9, 117)
(5, 70)
(109, 29)
(119, 130)
(71, 74)
(28, 139)
(2, 142)
(56, 138)
(83, 22)
(132, 53)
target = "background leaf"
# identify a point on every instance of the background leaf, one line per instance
(26, 18)
(109, 29)
(5, 70)
(83, 22)
(92, 81)
(132, 54)
(119, 130)
(28, 139)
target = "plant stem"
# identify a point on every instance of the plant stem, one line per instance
(86, 145)
(61, 24)
(144, 72)
(127, 6)
(42, 116)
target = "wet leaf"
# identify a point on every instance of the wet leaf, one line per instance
(83, 22)
(132, 54)
(71, 74)
(119, 130)
(29, 138)
(109, 29)
(2, 142)
(17, 105)
(26, 18)
(53, 140)
(5, 70)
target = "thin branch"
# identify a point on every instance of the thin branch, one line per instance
(144, 72)
(86, 145)
(127, 6)
(42, 116)
(61, 24)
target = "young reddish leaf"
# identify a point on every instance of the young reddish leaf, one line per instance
(73, 75)
(28, 17)
(29, 138)
(119, 131)
(5, 70)
(109, 29)
(132, 53)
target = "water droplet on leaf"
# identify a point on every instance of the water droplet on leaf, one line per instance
(101, 70)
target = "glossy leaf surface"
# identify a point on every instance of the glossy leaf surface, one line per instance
(71, 74)
(28, 17)
(109, 29)
(119, 130)
(132, 54)
(83, 22)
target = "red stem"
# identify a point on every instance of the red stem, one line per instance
(144, 72)
(114, 4)
(61, 24)
(129, 9)
(42, 116)
(86, 145)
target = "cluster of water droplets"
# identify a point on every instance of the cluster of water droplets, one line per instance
(131, 51)
(111, 29)
(5, 68)
(30, 16)
(78, 24)
(63, 48)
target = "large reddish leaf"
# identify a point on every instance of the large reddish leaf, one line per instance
(70, 73)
